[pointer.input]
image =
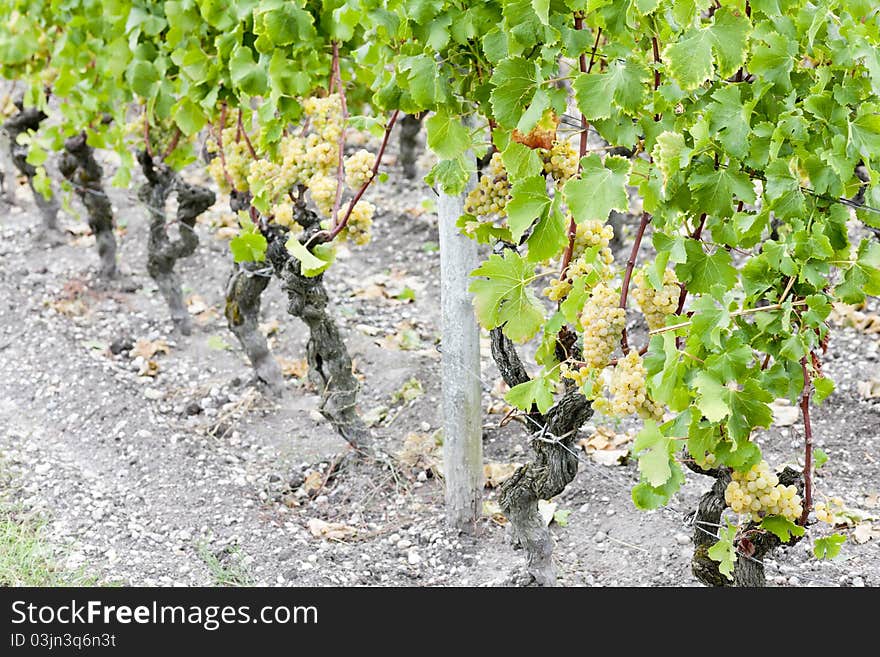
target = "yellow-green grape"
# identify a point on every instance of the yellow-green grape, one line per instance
(657, 305)
(323, 191)
(489, 197)
(292, 151)
(325, 116)
(322, 156)
(629, 391)
(238, 162)
(357, 230)
(602, 321)
(264, 175)
(496, 166)
(561, 161)
(594, 233)
(215, 169)
(283, 214)
(576, 374)
(758, 493)
(359, 168)
(557, 289)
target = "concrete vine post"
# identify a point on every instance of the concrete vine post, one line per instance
(460, 366)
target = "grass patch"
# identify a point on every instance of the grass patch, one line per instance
(228, 569)
(26, 558)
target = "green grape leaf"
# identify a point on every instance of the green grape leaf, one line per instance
(714, 189)
(823, 387)
(248, 247)
(781, 527)
(515, 82)
(820, 458)
(246, 74)
(502, 296)
(863, 277)
(724, 550)
(548, 237)
(447, 137)
(600, 188)
(702, 271)
(623, 85)
(670, 154)
(730, 40)
(828, 547)
(538, 391)
(529, 201)
(520, 161)
(312, 263)
(654, 450)
(689, 60)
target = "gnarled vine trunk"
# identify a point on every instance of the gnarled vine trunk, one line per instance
(553, 468)
(29, 120)
(330, 368)
(748, 570)
(163, 251)
(244, 289)
(78, 165)
(410, 126)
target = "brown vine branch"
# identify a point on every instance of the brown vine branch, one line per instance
(172, 144)
(582, 145)
(336, 80)
(627, 275)
(218, 137)
(808, 443)
(244, 135)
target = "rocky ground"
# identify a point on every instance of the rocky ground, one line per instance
(155, 463)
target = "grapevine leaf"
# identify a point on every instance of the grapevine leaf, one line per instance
(249, 246)
(520, 161)
(670, 154)
(548, 237)
(246, 74)
(653, 451)
(515, 81)
(622, 85)
(824, 387)
(646, 497)
(714, 189)
(311, 264)
(538, 391)
(820, 458)
(724, 550)
(447, 137)
(712, 398)
(600, 189)
(773, 60)
(782, 527)
(503, 297)
(702, 271)
(828, 547)
(689, 60)
(863, 277)
(528, 201)
(730, 34)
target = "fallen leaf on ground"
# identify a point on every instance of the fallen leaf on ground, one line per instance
(411, 389)
(849, 315)
(420, 450)
(492, 510)
(405, 339)
(296, 368)
(313, 482)
(148, 368)
(605, 446)
(495, 473)
(869, 389)
(146, 349)
(196, 305)
(864, 532)
(333, 531)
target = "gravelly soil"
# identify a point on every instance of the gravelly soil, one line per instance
(191, 477)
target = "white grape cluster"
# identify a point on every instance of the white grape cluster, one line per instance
(629, 391)
(237, 158)
(323, 191)
(561, 161)
(492, 192)
(557, 289)
(577, 374)
(282, 214)
(602, 320)
(758, 493)
(359, 168)
(324, 115)
(264, 175)
(357, 230)
(657, 305)
(594, 233)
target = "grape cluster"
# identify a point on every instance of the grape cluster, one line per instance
(594, 233)
(561, 161)
(357, 230)
(557, 289)
(323, 191)
(359, 168)
(657, 305)
(325, 116)
(492, 192)
(264, 175)
(577, 374)
(629, 391)
(602, 320)
(758, 493)
(282, 214)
